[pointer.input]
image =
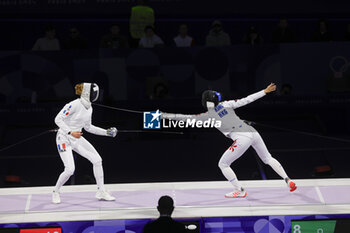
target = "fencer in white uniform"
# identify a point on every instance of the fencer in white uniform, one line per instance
(75, 116)
(242, 134)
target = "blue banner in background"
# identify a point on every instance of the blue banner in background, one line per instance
(247, 224)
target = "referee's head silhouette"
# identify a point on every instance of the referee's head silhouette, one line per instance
(165, 206)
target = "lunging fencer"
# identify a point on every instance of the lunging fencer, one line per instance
(242, 134)
(71, 119)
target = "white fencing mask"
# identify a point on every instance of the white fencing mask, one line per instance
(90, 92)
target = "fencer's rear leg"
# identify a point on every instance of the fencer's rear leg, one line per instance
(262, 151)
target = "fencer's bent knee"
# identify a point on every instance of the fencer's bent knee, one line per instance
(223, 164)
(97, 161)
(267, 159)
(69, 170)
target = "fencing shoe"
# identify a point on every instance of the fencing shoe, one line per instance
(291, 185)
(56, 197)
(103, 195)
(236, 194)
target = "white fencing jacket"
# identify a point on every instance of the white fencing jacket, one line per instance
(75, 116)
(224, 112)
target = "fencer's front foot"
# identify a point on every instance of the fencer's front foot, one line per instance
(56, 197)
(103, 195)
(291, 184)
(236, 194)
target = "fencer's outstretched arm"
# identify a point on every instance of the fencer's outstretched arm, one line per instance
(251, 98)
(178, 117)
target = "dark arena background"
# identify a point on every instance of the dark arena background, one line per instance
(301, 46)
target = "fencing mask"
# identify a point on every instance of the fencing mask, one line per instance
(90, 92)
(210, 96)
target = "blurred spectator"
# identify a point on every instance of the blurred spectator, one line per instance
(165, 224)
(141, 16)
(322, 33)
(75, 41)
(283, 33)
(216, 36)
(347, 33)
(183, 40)
(150, 40)
(49, 42)
(114, 39)
(253, 37)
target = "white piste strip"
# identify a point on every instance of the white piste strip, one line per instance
(319, 194)
(28, 203)
(176, 185)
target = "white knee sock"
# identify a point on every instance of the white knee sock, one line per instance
(98, 173)
(277, 167)
(231, 177)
